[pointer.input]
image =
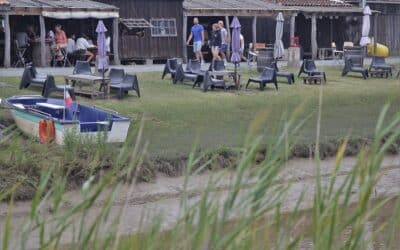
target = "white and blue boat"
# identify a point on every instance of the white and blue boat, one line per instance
(29, 111)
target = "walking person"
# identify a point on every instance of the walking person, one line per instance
(225, 40)
(216, 41)
(197, 34)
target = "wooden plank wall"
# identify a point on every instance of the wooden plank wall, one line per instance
(388, 26)
(148, 47)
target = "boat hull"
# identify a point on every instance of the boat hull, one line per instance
(28, 123)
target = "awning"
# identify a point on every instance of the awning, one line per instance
(80, 14)
(135, 23)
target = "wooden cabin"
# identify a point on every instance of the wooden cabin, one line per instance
(388, 32)
(317, 23)
(150, 30)
(74, 15)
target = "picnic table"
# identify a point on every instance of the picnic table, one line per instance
(81, 80)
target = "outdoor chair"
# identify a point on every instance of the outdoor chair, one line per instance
(350, 67)
(64, 61)
(193, 66)
(30, 76)
(217, 65)
(211, 82)
(268, 75)
(50, 87)
(308, 67)
(20, 54)
(288, 75)
(82, 67)
(170, 68)
(379, 64)
(116, 76)
(130, 82)
(181, 76)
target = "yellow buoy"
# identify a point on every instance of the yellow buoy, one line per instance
(381, 50)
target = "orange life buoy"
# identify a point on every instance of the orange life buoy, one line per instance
(47, 131)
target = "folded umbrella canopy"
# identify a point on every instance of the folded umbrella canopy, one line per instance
(365, 40)
(279, 50)
(235, 58)
(101, 46)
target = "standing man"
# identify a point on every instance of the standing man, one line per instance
(197, 34)
(225, 40)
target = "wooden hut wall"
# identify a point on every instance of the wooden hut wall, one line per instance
(148, 47)
(388, 31)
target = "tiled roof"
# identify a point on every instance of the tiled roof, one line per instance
(66, 4)
(230, 5)
(315, 3)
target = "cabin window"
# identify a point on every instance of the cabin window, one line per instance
(163, 27)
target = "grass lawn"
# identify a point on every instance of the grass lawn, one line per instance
(177, 115)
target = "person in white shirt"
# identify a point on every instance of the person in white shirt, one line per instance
(71, 44)
(82, 44)
(242, 48)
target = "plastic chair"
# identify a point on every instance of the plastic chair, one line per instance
(379, 63)
(194, 66)
(211, 82)
(116, 76)
(82, 68)
(170, 67)
(181, 76)
(20, 54)
(30, 76)
(267, 76)
(130, 82)
(288, 75)
(350, 67)
(50, 87)
(308, 67)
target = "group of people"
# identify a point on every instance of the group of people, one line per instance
(218, 41)
(71, 45)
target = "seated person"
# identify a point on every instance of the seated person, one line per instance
(61, 41)
(71, 44)
(83, 45)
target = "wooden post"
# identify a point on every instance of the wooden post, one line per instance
(375, 33)
(184, 38)
(42, 41)
(228, 46)
(254, 31)
(293, 25)
(314, 45)
(7, 41)
(116, 40)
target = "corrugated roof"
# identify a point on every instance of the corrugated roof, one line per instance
(230, 5)
(61, 4)
(315, 3)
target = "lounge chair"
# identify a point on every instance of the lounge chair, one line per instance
(288, 75)
(268, 75)
(349, 66)
(82, 68)
(50, 86)
(193, 66)
(211, 82)
(170, 68)
(182, 76)
(217, 65)
(308, 67)
(116, 76)
(379, 64)
(130, 82)
(28, 78)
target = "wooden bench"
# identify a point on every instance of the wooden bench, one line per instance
(315, 79)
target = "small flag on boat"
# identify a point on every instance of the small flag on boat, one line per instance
(67, 98)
